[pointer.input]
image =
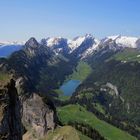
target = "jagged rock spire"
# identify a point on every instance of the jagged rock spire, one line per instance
(32, 42)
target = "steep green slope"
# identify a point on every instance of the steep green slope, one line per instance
(122, 70)
(76, 113)
(125, 76)
(81, 72)
(128, 55)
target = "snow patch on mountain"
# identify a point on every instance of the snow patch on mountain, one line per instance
(50, 42)
(113, 37)
(127, 41)
(76, 42)
(122, 41)
(83, 46)
(57, 44)
(90, 50)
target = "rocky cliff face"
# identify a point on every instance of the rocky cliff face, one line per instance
(10, 117)
(37, 118)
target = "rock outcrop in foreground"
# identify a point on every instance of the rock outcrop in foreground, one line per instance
(32, 114)
(38, 117)
(10, 116)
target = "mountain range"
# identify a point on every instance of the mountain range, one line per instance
(104, 106)
(87, 43)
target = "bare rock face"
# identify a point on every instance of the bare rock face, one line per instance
(37, 117)
(32, 113)
(111, 86)
(10, 117)
(32, 42)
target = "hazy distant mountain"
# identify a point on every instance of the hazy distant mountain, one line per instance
(7, 48)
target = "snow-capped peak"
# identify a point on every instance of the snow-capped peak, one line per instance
(76, 42)
(57, 44)
(127, 41)
(91, 49)
(122, 41)
(54, 41)
(114, 37)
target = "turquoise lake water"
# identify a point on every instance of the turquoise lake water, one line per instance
(69, 87)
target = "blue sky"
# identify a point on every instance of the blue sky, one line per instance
(22, 19)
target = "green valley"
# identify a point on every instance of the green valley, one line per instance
(76, 113)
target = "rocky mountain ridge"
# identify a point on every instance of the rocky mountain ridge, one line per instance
(83, 45)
